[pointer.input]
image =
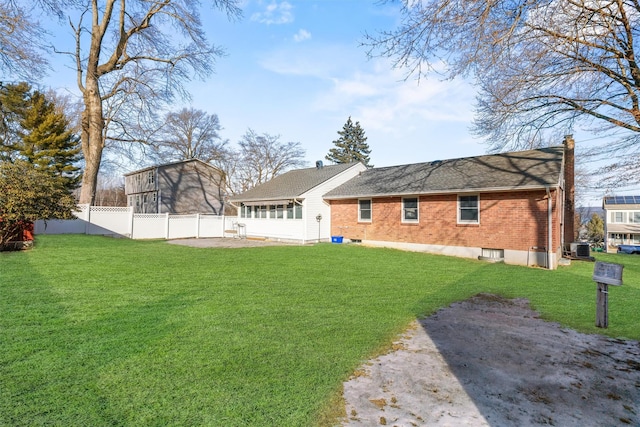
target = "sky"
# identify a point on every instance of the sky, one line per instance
(296, 69)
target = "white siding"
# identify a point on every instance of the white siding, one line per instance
(307, 229)
(314, 204)
(276, 229)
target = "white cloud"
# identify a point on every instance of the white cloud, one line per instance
(307, 60)
(384, 99)
(275, 13)
(302, 35)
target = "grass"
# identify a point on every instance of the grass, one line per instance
(107, 332)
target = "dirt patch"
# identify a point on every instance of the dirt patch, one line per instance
(489, 361)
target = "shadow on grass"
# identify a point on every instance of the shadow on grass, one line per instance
(55, 365)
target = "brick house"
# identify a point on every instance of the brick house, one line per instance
(185, 187)
(508, 206)
(290, 207)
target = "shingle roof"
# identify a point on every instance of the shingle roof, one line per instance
(499, 172)
(171, 164)
(292, 184)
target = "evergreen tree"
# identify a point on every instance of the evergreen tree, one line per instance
(351, 146)
(35, 131)
(595, 229)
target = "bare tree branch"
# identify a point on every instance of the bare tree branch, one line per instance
(542, 67)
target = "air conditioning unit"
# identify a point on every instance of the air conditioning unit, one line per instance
(580, 250)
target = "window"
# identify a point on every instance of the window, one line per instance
(150, 177)
(298, 211)
(634, 217)
(364, 210)
(272, 211)
(616, 238)
(261, 211)
(493, 253)
(280, 211)
(155, 197)
(243, 210)
(619, 217)
(410, 209)
(468, 209)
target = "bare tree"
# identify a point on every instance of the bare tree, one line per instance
(190, 134)
(129, 57)
(261, 158)
(22, 39)
(542, 67)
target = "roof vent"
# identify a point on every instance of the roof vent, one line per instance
(319, 164)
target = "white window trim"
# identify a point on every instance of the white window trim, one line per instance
(410, 221)
(370, 210)
(460, 221)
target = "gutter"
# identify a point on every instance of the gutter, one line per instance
(549, 228)
(447, 191)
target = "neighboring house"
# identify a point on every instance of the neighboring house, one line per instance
(290, 206)
(621, 221)
(186, 187)
(508, 206)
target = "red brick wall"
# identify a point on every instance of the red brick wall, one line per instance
(514, 220)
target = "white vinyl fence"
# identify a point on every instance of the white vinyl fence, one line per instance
(115, 221)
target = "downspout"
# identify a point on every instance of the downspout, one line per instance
(549, 228)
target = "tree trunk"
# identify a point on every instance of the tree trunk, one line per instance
(92, 140)
(92, 117)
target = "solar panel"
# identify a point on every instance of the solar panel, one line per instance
(622, 200)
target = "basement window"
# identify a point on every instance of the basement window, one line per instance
(492, 255)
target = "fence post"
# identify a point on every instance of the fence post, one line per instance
(131, 218)
(166, 226)
(87, 224)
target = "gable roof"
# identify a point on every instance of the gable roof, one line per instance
(165, 165)
(292, 184)
(531, 169)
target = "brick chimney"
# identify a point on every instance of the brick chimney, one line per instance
(569, 190)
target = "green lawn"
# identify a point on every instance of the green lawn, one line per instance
(97, 331)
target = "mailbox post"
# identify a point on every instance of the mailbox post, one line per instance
(605, 274)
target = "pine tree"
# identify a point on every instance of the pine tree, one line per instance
(595, 229)
(48, 143)
(351, 146)
(35, 131)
